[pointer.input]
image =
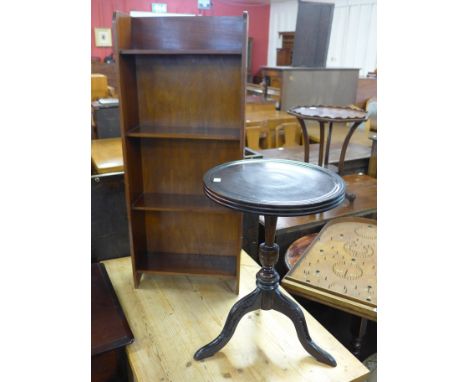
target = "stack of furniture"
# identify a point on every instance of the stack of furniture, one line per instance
(105, 108)
(182, 97)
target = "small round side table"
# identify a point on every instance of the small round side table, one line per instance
(271, 187)
(328, 114)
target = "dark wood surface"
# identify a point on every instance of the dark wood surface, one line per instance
(274, 187)
(182, 112)
(110, 332)
(212, 34)
(285, 53)
(329, 113)
(271, 187)
(283, 56)
(109, 327)
(357, 155)
(363, 185)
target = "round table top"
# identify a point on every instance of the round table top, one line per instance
(329, 113)
(274, 187)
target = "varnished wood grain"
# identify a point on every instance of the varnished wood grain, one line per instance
(171, 316)
(189, 33)
(182, 90)
(110, 332)
(128, 102)
(357, 155)
(195, 99)
(193, 232)
(366, 203)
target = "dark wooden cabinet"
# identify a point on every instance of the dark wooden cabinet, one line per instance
(285, 53)
(182, 100)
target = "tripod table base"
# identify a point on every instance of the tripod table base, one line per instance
(266, 296)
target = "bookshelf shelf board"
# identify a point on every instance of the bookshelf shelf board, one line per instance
(208, 133)
(130, 52)
(187, 263)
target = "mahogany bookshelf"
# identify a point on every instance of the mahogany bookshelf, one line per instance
(182, 97)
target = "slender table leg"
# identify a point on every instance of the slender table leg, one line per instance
(356, 343)
(349, 195)
(267, 296)
(305, 137)
(322, 143)
(240, 308)
(327, 147)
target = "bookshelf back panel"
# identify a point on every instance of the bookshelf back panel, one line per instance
(185, 33)
(177, 166)
(193, 232)
(190, 91)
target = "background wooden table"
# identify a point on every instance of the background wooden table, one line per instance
(357, 155)
(292, 228)
(172, 316)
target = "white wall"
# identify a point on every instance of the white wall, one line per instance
(353, 40)
(283, 15)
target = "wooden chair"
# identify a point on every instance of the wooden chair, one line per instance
(256, 135)
(288, 135)
(271, 125)
(100, 87)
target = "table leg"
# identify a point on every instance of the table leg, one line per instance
(267, 296)
(327, 147)
(305, 137)
(349, 195)
(240, 309)
(356, 344)
(345, 146)
(322, 142)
